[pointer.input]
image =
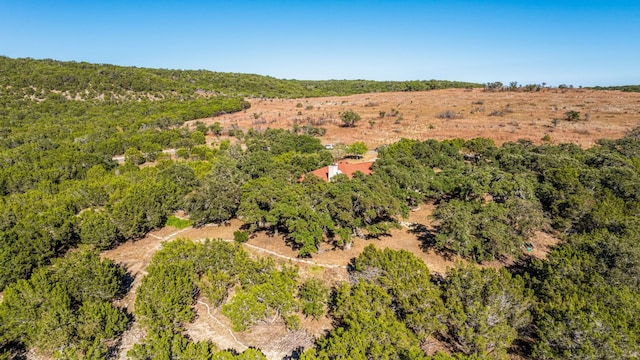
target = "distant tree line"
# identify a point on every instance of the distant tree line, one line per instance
(626, 88)
(94, 81)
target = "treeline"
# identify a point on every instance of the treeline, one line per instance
(56, 140)
(57, 162)
(109, 205)
(626, 88)
(37, 78)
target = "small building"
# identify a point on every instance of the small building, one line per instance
(327, 172)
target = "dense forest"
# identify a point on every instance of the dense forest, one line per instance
(64, 199)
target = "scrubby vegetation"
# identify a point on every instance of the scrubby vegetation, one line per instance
(628, 88)
(180, 272)
(63, 198)
(65, 308)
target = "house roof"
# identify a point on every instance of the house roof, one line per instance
(345, 168)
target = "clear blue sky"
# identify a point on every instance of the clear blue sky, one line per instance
(564, 41)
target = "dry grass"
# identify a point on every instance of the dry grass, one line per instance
(611, 115)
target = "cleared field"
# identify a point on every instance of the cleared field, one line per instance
(452, 113)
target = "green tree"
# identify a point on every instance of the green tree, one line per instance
(164, 298)
(179, 174)
(97, 229)
(168, 345)
(65, 309)
(406, 278)
(216, 129)
(134, 156)
(313, 296)
(357, 149)
(245, 310)
(99, 320)
(361, 203)
(141, 207)
(367, 327)
(350, 118)
(268, 300)
(572, 115)
(54, 327)
(240, 236)
(484, 232)
(87, 277)
(486, 309)
(259, 196)
(588, 297)
(198, 137)
(217, 198)
(305, 227)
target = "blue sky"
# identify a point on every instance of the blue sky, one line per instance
(557, 42)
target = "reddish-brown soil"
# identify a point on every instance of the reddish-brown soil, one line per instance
(501, 116)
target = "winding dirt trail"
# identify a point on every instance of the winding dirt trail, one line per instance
(217, 331)
(276, 342)
(136, 256)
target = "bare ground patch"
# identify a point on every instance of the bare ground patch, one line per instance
(210, 325)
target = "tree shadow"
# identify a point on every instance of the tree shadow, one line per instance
(125, 283)
(14, 350)
(427, 240)
(374, 237)
(426, 237)
(248, 228)
(522, 265)
(295, 354)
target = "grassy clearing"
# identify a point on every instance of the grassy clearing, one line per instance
(176, 222)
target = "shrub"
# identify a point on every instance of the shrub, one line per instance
(449, 114)
(349, 118)
(502, 112)
(240, 236)
(176, 222)
(292, 322)
(313, 296)
(572, 115)
(313, 131)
